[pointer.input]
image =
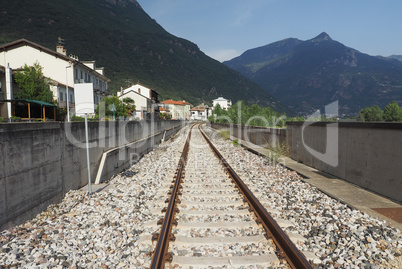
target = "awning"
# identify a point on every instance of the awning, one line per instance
(42, 103)
(36, 102)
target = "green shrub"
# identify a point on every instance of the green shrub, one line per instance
(15, 119)
(77, 118)
(277, 151)
(1, 119)
(235, 142)
(94, 118)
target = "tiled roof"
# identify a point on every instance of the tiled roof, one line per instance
(164, 109)
(197, 109)
(172, 102)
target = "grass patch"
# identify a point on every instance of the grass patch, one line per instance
(225, 134)
(278, 151)
(235, 142)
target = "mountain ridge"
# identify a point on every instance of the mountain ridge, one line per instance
(319, 71)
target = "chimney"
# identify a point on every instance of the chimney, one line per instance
(60, 49)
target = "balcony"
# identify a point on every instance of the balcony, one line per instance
(62, 104)
(81, 80)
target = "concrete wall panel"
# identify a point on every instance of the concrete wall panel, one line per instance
(369, 154)
(40, 162)
(257, 135)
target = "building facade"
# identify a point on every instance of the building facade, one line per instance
(200, 112)
(87, 84)
(180, 110)
(145, 99)
(223, 103)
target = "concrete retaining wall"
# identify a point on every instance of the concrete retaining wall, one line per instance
(257, 135)
(369, 154)
(40, 162)
(366, 154)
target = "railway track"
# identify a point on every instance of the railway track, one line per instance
(212, 218)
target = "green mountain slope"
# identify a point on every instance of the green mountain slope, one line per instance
(308, 75)
(131, 46)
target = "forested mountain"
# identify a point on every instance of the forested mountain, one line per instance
(307, 75)
(132, 47)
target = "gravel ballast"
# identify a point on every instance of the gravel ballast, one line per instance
(106, 230)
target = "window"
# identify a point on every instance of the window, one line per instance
(82, 76)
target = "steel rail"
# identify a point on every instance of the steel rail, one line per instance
(160, 253)
(293, 256)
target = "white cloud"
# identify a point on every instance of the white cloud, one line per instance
(223, 55)
(243, 15)
(246, 9)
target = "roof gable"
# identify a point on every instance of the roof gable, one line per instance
(135, 93)
(140, 85)
(198, 109)
(23, 42)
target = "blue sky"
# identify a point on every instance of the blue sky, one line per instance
(224, 29)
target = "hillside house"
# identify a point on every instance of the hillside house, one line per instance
(86, 82)
(165, 112)
(223, 103)
(180, 110)
(200, 112)
(145, 99)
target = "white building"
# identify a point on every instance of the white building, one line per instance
(86, 82)
(200, 112)
(223, 103)
(180, 110)
(144, 99)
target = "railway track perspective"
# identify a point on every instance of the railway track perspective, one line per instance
(113, 227)
(212, 219)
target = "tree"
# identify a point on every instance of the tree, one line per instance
(237, 113)
(392, 112)
(373, 113)
(33, 84)
(362, 114)
(129, 106)
(218, 112)
(106, 107)
(165, 116)
(251, 115)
